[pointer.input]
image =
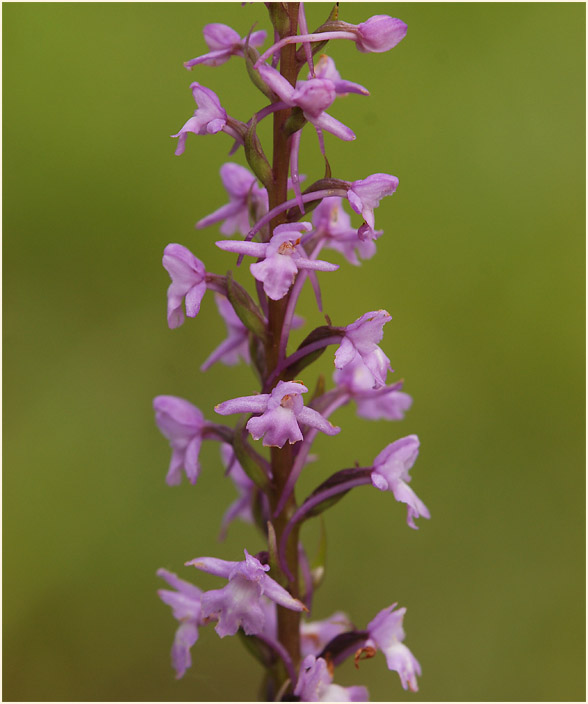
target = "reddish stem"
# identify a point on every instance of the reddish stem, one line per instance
(281, 458)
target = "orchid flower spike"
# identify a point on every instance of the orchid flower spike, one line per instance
(182, 424)
(188, 283)
(245, 196)
(391, 473)
(282, 414)
(186, 608)
(223, 43)
(283, 256)
(239, 603)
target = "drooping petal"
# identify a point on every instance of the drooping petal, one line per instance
(174, 472)
(186, 636)
(194, 298)
(186, 607)
(194, 125)
(401, 660)
(416, 508)
(191, 464)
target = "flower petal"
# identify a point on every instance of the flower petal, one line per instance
(314, 419)
(191, 464)
(186, 636)
(279, 595)
(194, 298)
(251, 249)
(243, 404)
(330, 124)
(213, 565)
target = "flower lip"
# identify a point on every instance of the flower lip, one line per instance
(391, 473)
(386, 634)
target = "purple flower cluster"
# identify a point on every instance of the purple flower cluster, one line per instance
(275, 586)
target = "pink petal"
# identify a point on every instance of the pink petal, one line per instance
(243, 404)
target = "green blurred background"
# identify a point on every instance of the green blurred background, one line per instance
(480, 113)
